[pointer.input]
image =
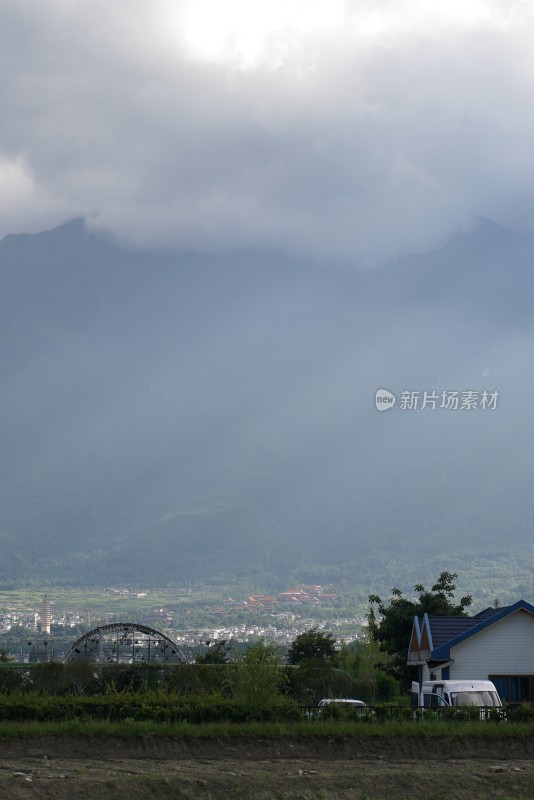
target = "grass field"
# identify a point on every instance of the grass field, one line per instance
(422, 730)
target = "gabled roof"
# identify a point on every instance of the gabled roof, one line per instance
(443, 629)
(442, 633)
(489, 612)
(415, 638)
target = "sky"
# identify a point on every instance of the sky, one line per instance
(339, 130)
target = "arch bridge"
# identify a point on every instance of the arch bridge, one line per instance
(126, 643)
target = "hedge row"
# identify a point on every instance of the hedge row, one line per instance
(117, 708)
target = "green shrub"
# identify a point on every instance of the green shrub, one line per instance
(387, 687)
(150, 707)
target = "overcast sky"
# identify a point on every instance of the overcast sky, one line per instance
(341, 129)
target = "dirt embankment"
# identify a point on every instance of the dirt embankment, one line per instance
(265, 769)
(395, 748)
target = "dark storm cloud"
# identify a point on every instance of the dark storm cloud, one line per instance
(372, 135)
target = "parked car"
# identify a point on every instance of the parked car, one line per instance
(343, 700)
(342, 705)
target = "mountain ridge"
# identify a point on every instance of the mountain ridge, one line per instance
(181, 417)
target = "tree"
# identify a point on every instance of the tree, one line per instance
(257, 679)
(217, 654)
(393, 627)
(314, 653)
(365, 663)
(312, 644)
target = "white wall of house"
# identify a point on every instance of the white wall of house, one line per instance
(504, 648)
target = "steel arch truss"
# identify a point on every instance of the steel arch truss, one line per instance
(126, 642)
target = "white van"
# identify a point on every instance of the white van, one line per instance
(443, 694)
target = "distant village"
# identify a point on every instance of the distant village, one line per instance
(302, 595)
(278, 618)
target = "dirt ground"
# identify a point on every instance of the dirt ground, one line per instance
(320, 769)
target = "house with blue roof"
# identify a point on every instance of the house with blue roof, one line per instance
(497, 645)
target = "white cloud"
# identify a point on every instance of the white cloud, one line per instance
(341, 129)
(21, 206)
(17, 185)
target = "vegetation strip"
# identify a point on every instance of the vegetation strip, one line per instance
(219, 730)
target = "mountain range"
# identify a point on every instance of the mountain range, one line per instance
(171, 417)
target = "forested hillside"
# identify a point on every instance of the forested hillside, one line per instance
(167, 417)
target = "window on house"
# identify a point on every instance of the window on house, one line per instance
(514, 688)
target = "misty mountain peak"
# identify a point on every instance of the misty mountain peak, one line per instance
(485, 233)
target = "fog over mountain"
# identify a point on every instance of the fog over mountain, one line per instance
(170, 417)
